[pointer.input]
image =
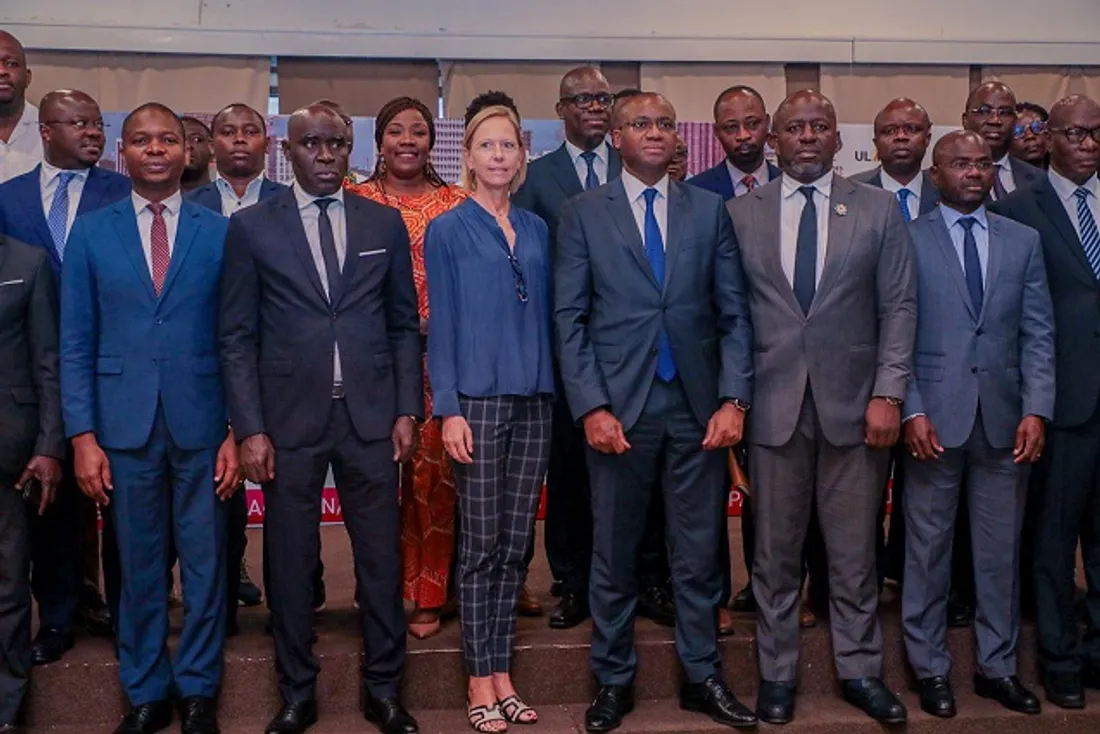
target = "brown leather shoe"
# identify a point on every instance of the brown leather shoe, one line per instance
(528, 604)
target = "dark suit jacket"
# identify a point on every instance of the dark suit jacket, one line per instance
(929, 194)
(278, 330)
(718, 179)
(30, 401)
(551, 180)
(211, 198)
(609, 310)
(21, 214)
(1024, 173)
(1076, 296)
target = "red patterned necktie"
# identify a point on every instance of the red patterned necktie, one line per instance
(749, 182)
(158, 245)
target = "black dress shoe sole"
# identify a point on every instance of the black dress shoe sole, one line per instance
(698, 707)
(566, 624)
(889, 720)
(303, 725)
(777, 720)
(610, 727)
(1064, 703)
(1010, 707)
(939, 713)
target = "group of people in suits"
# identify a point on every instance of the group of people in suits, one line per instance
(936, 327)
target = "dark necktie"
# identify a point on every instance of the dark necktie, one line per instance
(903, 204)
(328, 248)
(655, 251)
(805, 253)
(971, 264)
(58, 218)
(591, 180)
(1090, 237)
(999, 191)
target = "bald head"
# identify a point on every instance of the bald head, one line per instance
(806, 138)
(15, 76)
(902, 104)
(53, 103)
(1066, 110)
(951, 142)
(303, 117)
(628, 108)
(801, 101)
(981, 93)
(991, 112)
(903, 133)
(584, 105)
(1074, 149)
(71, 127)
(318, 146)
(581, 79)
(963, 170)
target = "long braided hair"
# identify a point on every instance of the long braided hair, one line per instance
(390, 110)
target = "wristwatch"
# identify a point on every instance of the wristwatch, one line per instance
(740, 404)
(896, 402)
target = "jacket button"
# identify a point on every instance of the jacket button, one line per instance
(160, 321)
(652, 352)
(973, 370)
(979, 332)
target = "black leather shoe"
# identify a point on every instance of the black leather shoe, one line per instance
(714, 698)
(92, 613)
(146, 718)
(936, 696)
(744, 601)
(1064, 690)
(390, 716)
(11, 729)
(556, 588)
(611, 704)
(775, 702)
(656, 603)
(873, 697)
(295, 718)
(959, 613)
(198, 715)
(570, 611)
(50, 645)
(1008, 692)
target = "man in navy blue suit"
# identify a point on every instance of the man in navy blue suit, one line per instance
(240, 156)
(39, 208)
(145, 409)
(741, 124)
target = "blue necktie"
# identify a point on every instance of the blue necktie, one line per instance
(971, 264)
(655, 251)
(1090, 237)
(591, 180)
(58, 218)
(903, 204)
(805, 254)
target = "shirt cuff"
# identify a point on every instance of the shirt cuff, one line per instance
(908, 418)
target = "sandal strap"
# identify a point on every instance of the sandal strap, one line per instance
(479, 715)
(514, 708)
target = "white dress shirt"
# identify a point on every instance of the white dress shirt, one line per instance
(171, 216)
(231, 202)
(23, 151)
(311, 215)
(980, 229)
(915, 187)
(635, 194)
(790, 214)
(736, 174)
(599, 163)
(1003, 170)
(1067, 192)
(48, 185)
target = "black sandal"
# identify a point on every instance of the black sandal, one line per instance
(517, 712)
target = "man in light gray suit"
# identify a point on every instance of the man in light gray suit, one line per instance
(832, 293)
(983, 386)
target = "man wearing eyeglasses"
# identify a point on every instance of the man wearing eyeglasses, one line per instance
(20, 146)
(584, 161)
(983, 388)
(991, 112)
(1028, 142)
(39, 208)
(1063, 206)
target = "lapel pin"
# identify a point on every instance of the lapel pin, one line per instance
(840, 210)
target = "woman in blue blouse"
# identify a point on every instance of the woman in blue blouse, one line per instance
(489, 361)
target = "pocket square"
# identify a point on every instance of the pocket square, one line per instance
(17, 281)
(368, 253)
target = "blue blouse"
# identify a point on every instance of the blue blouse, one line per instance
(490, 321)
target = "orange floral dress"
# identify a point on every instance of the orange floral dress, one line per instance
(427, 481)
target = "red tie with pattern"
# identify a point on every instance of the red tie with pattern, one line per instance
(158, 245)
(749, 182)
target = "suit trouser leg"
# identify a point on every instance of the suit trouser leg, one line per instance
(236, 511)
(56, 556)
(568, 522)
(653, 563)
(199, 521)
(815, 561)
(930, 508)
(15, 601)
(366, 480)
(962, 565)
(1070, 510)
(292, 543)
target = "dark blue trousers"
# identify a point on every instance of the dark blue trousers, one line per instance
(160, 491)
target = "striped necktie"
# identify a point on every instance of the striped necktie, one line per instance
(1090, 236)
(58, 218)
(159, 253)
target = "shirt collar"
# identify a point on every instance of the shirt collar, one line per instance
(1005, 162)
(635, 188)
(952, 216)
(1066, 189)
(824, 185)
(171, 204)
(226, 188)
(892, 185)
(760, 174)
(575, 152)
(50, 172)
(305, 200)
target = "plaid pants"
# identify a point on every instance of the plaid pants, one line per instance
(498, 496)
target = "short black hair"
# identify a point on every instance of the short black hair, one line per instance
(197, 121)
(627, 93)
(489, 99)
(148, 106)
(738, 89)
(1034, 108)
(234, 106)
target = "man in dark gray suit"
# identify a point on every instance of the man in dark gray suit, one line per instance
(320, 343)
(655, 345)
(983, 386)
(32, 444)
(829, 273)
(991, 112)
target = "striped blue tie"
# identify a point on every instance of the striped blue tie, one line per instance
(1090, 236)
(903, 204)
(58, 218)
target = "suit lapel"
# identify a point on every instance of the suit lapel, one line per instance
(842, 228)
(767, 223)
(564, 172)
(186, 230)
(355, 230)
(92, 194)
(614, 163)
(130, 240)
(677, 219)
(1052, 208)
(33, 204)
(950, 255)
(292, 225)
(993, 264)
(929, 194)
(631, 238)
(725, 181)
(269, 188)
